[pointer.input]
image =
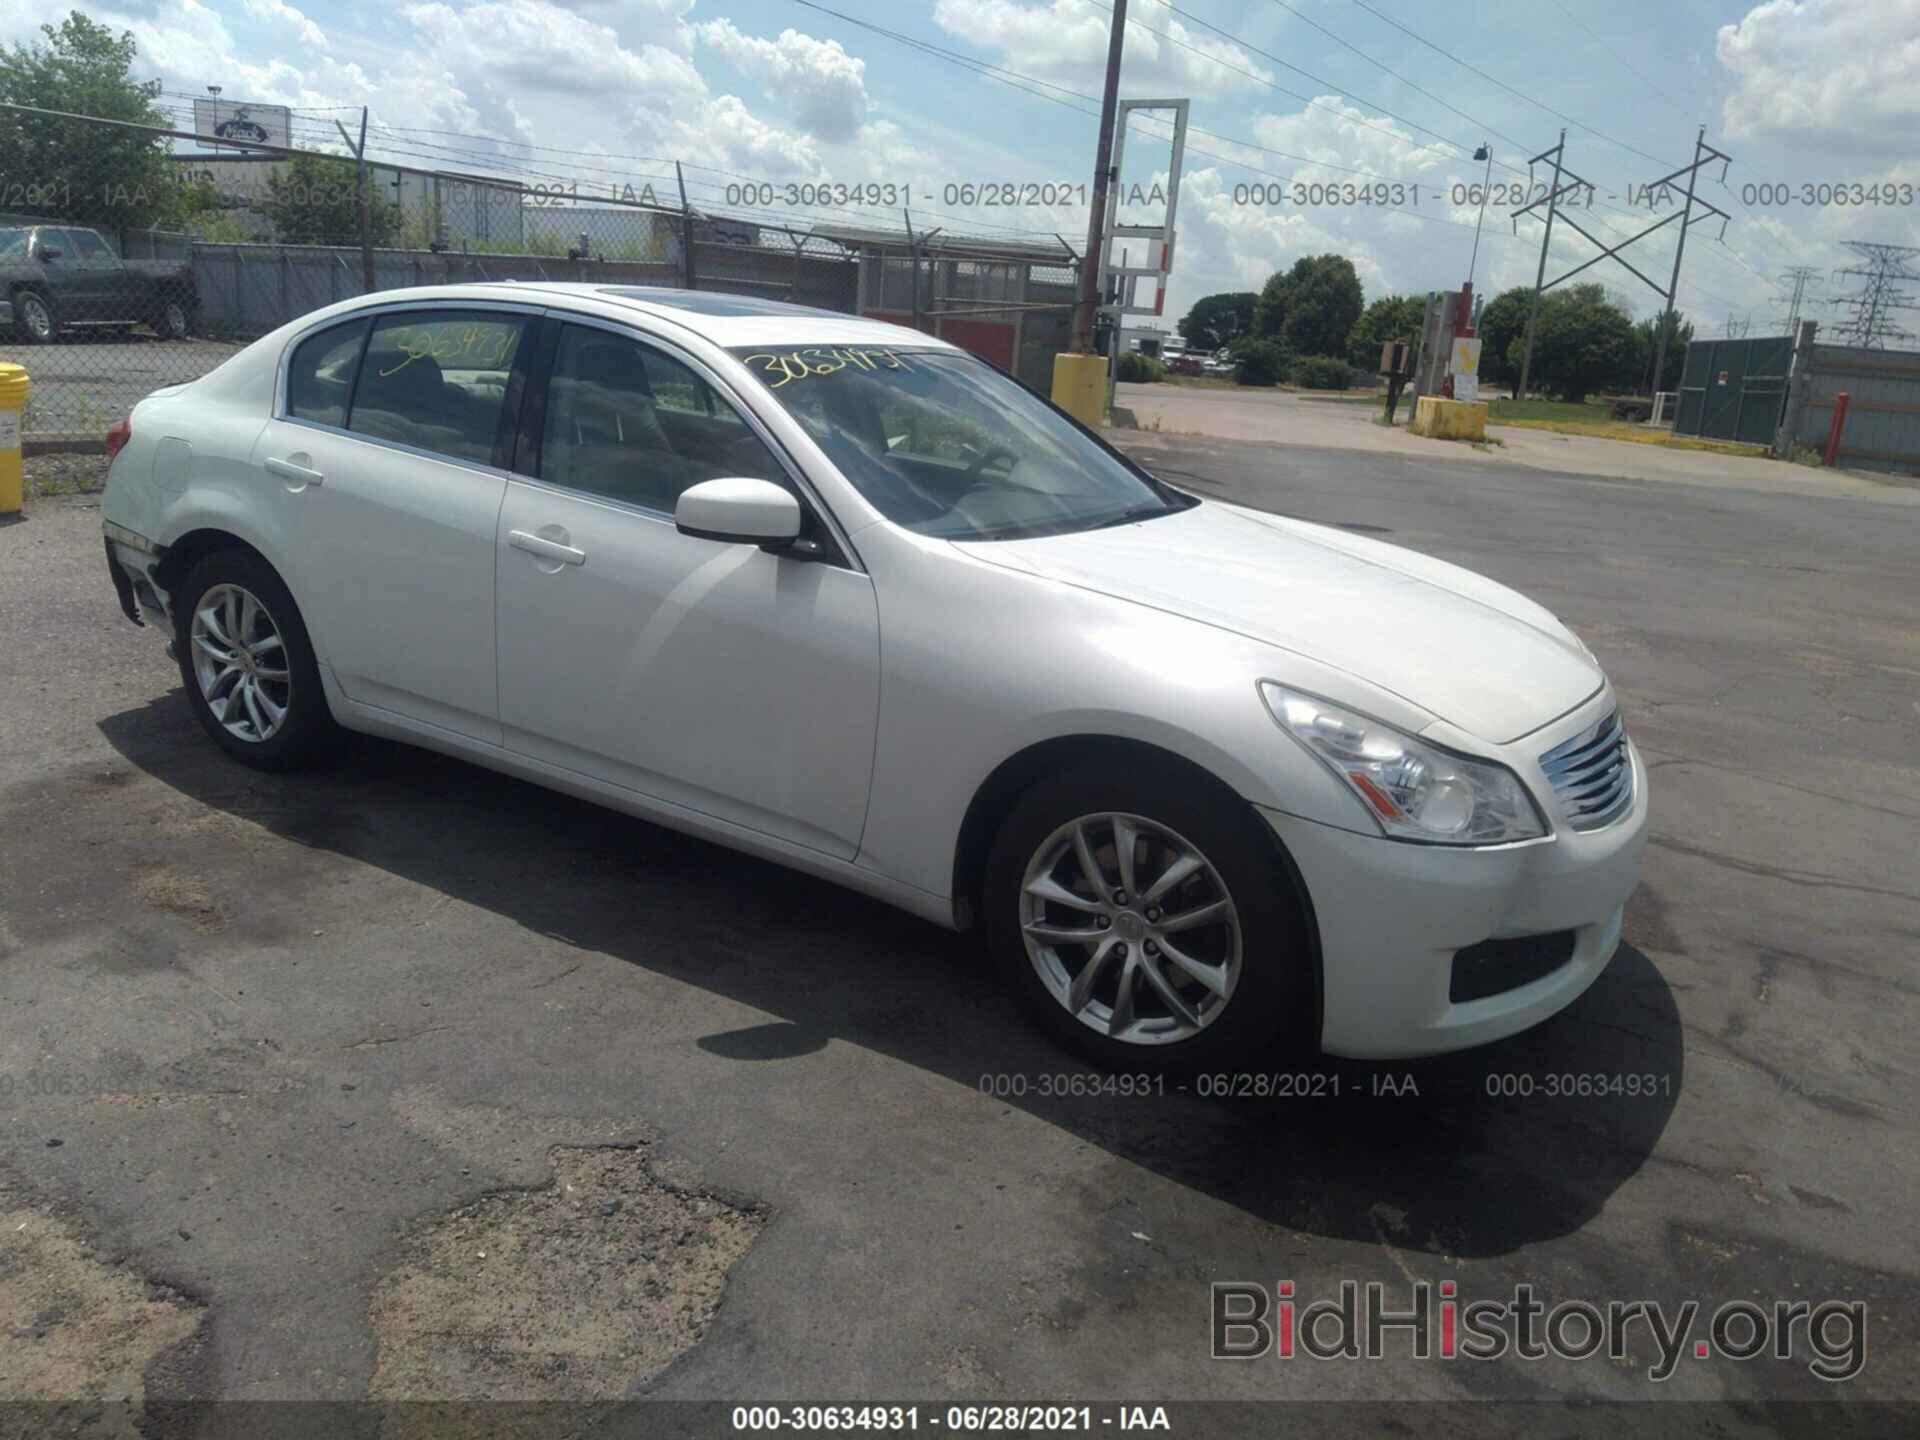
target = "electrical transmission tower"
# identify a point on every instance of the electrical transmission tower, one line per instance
(1799, 277)
(1566, 184)
(1870, 321)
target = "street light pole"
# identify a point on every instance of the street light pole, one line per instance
(1485, 152)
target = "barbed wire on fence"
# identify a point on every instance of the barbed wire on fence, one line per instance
(117, 290)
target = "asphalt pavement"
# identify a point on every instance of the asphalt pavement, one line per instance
(406, 1079)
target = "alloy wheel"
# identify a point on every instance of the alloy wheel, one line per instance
(1131, 929)
(174, 317)
(39, 319)
(240, 662)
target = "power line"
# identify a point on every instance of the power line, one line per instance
(1496, 80)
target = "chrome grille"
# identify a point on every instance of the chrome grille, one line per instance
(1592, 774)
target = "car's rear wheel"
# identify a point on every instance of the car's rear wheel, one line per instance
(248, 665)
(33, 317)
(1149, 921)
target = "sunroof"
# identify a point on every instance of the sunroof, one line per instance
(707, 302)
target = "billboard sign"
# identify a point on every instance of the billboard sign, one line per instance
(252, 124)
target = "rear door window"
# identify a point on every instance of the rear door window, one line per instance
(437, 381)
(320, 374)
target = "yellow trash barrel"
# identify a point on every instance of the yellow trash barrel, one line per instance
(13, 401)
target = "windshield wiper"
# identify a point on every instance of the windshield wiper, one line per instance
(1136, 512)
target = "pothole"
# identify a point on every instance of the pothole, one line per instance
(572, 1292)
(75, 1328)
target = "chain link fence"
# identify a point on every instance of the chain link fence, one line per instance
(113, 294)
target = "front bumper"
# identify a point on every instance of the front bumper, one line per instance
(1392, 915)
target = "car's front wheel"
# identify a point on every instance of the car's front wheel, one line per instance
(1149, 921)
(33, 317)
(248, 665)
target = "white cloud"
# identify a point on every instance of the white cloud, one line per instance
(824, 86)
(1835, 73)
(278, 10)
(1067, 40)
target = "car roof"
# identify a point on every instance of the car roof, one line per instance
(724, 319)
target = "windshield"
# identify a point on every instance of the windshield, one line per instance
(13, 244)
(945, 445)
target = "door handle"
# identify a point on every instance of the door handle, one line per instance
(546, 549)
(294, 474)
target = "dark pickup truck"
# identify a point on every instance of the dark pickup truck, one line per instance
(57, 277)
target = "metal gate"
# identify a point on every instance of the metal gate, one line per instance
(1734, 389)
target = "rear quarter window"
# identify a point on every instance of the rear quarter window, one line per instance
(320, 375)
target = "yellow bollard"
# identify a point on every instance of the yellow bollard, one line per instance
(1080, 387)
(13, 400)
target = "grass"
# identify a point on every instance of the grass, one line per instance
(1509, 412)
(1201, 382)
(1592, 418)
(48, 475)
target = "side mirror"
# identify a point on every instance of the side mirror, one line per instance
(740, 511)
(49, 252)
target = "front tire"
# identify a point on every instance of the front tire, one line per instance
(248, 664)
(1149, 921)
(34, 318)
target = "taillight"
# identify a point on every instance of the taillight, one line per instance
(118, 434)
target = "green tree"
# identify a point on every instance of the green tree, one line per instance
(95, 175)
(315, 200)
(1503, 319)
(1679, 335)
(1312, 306)
(1217, 320)
(1583, 342)
(1391, 317)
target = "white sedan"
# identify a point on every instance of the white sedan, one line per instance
(839, 594)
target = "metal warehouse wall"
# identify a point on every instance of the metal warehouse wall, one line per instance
(1883, 404)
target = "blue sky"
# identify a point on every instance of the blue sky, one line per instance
(1309, 91)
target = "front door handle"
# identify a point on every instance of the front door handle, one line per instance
(546, 549)
(293, 474)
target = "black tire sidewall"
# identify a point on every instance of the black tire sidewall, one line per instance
(1274, 1008)
(309, 734)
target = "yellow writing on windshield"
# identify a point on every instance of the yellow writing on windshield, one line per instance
(792, 365)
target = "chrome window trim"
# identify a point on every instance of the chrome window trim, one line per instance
(373, 312)
(400, 447)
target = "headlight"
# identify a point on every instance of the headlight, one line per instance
(1416, 791)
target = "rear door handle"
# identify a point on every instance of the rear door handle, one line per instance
(292, 473)
(546, 549)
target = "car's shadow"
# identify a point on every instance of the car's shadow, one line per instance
(1470, 1155)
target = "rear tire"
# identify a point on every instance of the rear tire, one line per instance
(1216, 859)
(248, 664)
(173, 320)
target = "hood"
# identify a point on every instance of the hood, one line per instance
(1451, 642)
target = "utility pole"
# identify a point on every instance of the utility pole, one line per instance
(1680, 247)
(1540, 274)
(1092, 260)
(686, 230)
(364, 184)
